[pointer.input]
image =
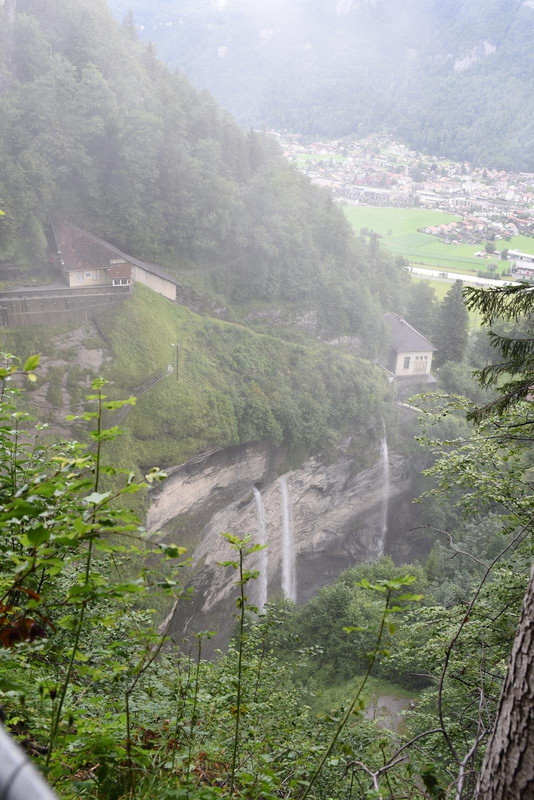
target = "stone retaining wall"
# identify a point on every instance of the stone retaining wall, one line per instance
(53, 306)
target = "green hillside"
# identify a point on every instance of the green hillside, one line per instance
(233, 385)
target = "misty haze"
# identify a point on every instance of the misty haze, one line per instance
(266, 426)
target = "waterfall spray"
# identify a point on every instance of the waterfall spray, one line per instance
(289, 573)
(384, 463)
(262, 539)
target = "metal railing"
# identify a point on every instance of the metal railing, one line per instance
(19, 780)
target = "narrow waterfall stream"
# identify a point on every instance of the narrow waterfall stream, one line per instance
(264, 563)
(289, 572)
(384, 462)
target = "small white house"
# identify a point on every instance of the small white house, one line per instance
(88, 261)
(409, 357)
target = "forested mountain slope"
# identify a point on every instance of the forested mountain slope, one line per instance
(95, 129)
(451, 76)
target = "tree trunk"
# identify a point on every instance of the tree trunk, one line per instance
(508, 769)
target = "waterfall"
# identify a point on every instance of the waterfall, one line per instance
(289, 573)
(384, 464)
(262, 539)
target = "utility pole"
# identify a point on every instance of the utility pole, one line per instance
(178, 348)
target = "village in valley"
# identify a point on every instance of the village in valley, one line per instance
(490, 210)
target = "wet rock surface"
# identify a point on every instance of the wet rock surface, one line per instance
(336, 519)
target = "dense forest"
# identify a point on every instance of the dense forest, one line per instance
(450, 78)
(93, 127)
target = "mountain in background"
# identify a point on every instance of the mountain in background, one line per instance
(451, 77)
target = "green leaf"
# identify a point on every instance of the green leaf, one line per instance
(32, 363)
(410, 598)
(97, 497)
(37, 536)
(172, 551)
(68, 622)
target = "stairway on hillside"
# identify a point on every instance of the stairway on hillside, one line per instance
(137, 393)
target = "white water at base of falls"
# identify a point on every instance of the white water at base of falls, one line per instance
(289, 572)
(264, 563)
(384, 463)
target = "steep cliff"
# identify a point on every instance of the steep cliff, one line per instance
(337, 515)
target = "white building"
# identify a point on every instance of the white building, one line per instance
(409, 358)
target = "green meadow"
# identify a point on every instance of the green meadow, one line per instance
(302, 158)
(399, 230)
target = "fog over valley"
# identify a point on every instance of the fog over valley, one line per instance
(266, 428)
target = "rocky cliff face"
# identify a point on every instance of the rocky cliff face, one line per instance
(337, 515)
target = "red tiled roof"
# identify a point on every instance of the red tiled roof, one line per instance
(121, 271)
(82, 250)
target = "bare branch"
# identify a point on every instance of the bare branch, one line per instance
(451, 543)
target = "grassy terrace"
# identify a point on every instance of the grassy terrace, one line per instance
(399, 230)
(302, 158)
(234, 385)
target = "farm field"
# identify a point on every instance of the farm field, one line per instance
(398, 228)
(302, 158)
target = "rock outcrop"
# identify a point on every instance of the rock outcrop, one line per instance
(337, 513)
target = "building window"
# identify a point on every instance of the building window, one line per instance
(121, 281)
(406, 362)
(97, 274)
(87, 274)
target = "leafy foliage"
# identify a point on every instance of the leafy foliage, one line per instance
(112, 710)
(513, 375)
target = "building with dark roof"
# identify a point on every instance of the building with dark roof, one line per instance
(409, 357)
(88, 261)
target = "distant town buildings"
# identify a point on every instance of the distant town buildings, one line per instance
(377, 171)
(522, 264)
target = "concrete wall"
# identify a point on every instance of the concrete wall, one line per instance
(53, 306)
(420, 363)
(154, 282)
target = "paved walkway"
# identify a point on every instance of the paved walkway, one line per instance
(36, 287)
(434, 274)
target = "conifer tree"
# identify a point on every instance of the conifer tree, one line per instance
(450, 336)
(421, 310)
(515, 371)
(508, 769)
(128, 23)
